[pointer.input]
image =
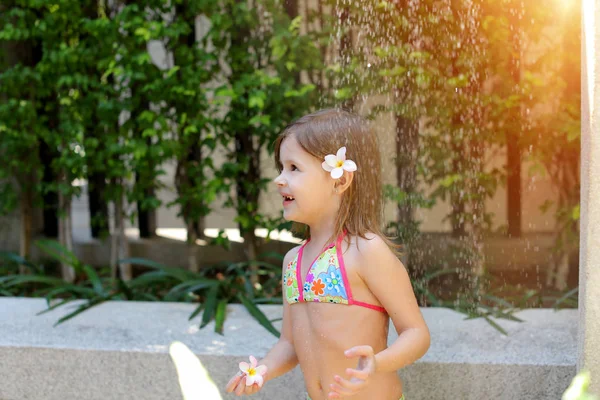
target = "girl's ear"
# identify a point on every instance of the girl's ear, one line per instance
(344, 182)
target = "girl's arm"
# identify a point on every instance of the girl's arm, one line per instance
(282, 357)
(388, 280)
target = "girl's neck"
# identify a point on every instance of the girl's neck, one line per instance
(321, 234)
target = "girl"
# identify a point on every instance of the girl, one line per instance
(345, 282)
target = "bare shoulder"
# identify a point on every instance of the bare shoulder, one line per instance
(371, 242)
(370, 246)
(372, 250)
(289, 256)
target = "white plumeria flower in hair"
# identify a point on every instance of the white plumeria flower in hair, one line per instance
(338, 163)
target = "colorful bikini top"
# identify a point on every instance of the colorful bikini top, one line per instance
(326, 280)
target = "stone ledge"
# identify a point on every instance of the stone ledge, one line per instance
(119, 350)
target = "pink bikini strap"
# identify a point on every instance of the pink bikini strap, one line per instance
(340, 257)
(367, 305)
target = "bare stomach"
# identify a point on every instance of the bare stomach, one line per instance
(322, 332)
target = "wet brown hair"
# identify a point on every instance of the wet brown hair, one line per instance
(324, 132)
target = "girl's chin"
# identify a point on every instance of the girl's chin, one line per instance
(292, 218)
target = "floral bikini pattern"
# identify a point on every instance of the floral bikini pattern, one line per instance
(324, 281)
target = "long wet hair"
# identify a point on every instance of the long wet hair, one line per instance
(324, 132)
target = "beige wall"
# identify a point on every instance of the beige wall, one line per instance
(536, 189)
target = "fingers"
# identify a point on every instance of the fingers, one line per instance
(344, 387)
(338, 392)
(365, 351)
(249, 389)
(358, 374)
(237, 384)
(353, 385)
(241, 387)
(233, 382)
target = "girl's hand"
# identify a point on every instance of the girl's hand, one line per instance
(249, 380)
(359, 377)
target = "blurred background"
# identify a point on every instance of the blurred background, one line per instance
(138, 134)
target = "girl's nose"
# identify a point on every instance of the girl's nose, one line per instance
(279, 181)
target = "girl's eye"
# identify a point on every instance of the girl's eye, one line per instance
(293, 167)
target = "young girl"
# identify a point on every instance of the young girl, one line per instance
(345, 282)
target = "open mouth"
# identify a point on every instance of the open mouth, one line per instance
(287, 198)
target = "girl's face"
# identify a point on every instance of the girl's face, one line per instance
(307, 190)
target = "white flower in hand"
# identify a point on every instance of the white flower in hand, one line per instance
(254, 374)
(338, 163)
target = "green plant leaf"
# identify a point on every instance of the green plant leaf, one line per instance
(94, 279)
(564, 297)
(209, 306)
(495, 325)
(196, 311)
(258, 315)
(189, 286)
(81, 292)
(59, 252)
(220, 316)
(177, 273)
(54, 306)
(91, 303)
(125, 289)
(269, 300)
(21, 279)
(20, 261)
(150, 278)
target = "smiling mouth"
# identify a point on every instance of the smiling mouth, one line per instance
(288, 198)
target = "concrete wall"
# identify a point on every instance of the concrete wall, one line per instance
(119, 350)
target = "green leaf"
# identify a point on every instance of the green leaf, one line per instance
(575, 213)
(91, 303)
(54, 306)
(172, 71)
(21, 279)
(209, 306)
(177, 273)
(220, 316)
(564, 297)
(256, 102)
(295, 24)
(150, 278)
(17, 259)
(77, 291)
(498, 300)
(258, 315)
(125, 289)
(188, 286)
(225, 92)
(196, 311)
(59, 252)
(94, 279)
(495, 325)
(342, 94)
(269, 300)
(143, 32)
(450, 180)
(573, 134)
